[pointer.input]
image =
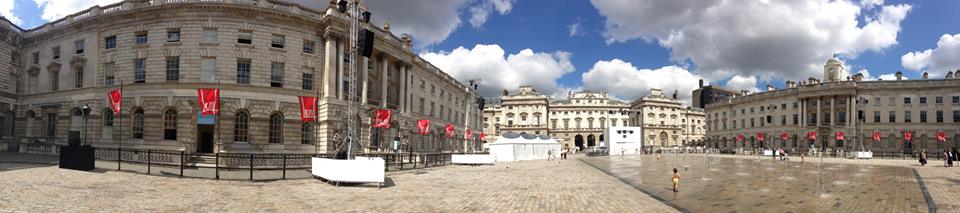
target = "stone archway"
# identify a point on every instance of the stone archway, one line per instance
(591, 140)
(663, 138)
(578, 141)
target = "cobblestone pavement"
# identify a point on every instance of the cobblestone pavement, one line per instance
(943, 183)
(534, 186)
(763, 185)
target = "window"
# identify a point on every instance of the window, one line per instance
(422, 103)
(241, 127)
(956, 100)
(138, 124)
(860, 115)
(208, 70)
(276, 128)
(277, 41)
(169, 124)
(276, 74)
(939, 100)
(15, 57)
(56, 52)
(842, 117)
(923, 116)
(139, 70)
(308, 79)
(141, 37)
(783, 120)
(173, 68)
(939, 116)
(796, 119)
(906, 100)
(243, 71)
(78, 78)
(108, 73)
(876, 117)
(54, 80)
(956, 116)
(173, 35)
(51, 125)
(813, 118)
(907, 116)
(110, 42)
(210, 35)
(892, 117)
(36, 57)
(306, 133)
(308, 46)
(107, 117)
(245, 37)
(78, 46)
(923, 100)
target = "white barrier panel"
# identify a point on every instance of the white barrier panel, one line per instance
(361, 170)
(864, 155)
(473, 159)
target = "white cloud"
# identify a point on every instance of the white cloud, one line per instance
(6, 10)
(626, 82)
(499, 71)
(937, 61)
(575, 28)
(767, 39)
(56, 9)
(480, 12)
(739, 83)
(891, 77)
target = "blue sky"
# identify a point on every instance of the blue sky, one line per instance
(628, 47)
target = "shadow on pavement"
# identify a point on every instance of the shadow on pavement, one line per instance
(13, 161)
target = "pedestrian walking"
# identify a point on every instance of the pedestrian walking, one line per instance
(676, 180)
(946, 158)
(549, 154)
(950, 157)
(923, 157)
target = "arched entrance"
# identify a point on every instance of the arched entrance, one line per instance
(601, 138)
(591, 140)
(578, 141)
(663, 138)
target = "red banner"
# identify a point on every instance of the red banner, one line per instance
(839, 136)
(449, 130)
(784, 136)
(209, 101)
(876, 136)
(467, 134)
(423, 127)
(907, 136)
(381, 119)
(308, 108)
(483, 136)
(941, 136)
(811, 135)
(760, 137)
(116, 100)
(740, 137)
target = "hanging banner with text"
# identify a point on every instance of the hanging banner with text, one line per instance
(308, 108)
(209, 101)
(116, 100)
(381, 119)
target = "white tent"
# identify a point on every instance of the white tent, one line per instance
(526, 147)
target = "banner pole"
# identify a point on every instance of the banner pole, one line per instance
(120, 141)
(217, 117)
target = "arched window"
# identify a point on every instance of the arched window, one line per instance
(241, 127)
(306, 130)
(276, 128)
(138, 124)
(170, 124)
(108, 117)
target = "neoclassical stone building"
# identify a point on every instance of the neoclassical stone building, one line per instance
(844, 105)
(666, 122)
(261, 54)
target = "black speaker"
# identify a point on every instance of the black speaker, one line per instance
(74, 138)
(366, 42)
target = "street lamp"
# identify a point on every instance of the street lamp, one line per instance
(86, 114)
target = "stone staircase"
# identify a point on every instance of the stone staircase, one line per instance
(201, 160)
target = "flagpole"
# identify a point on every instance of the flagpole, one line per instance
(217, 117)
(120, 141)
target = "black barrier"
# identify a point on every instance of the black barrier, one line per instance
(77, 157)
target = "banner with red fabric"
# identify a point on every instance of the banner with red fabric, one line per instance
(839, 136)
(811, 135)
(907, 136)
(740, 137)
(876, 136)
(760, 137)
(209, 101)
(483, 136)
(784, 136)
(941, 136)
(381, 119)
(116, 100)
(449, 130)
(423, 127)
(466, 133)
(308, 108)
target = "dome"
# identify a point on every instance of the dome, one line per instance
(834, 60)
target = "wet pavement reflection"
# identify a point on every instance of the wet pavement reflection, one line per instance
(713, 184)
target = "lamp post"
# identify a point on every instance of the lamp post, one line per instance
(86, 114)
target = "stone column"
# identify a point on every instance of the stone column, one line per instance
(403, 88)
(819, 112)
(833, 113)
(800, 113)
(383, 81)
(340, 61)
(329, 65)
(364, 78)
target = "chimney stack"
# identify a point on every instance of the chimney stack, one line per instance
(701, 83)
(899, 75)
(949, 74)
(770, 87)
(924, 75)
(791, 84)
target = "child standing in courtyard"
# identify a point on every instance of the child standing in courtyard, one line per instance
(676, 180)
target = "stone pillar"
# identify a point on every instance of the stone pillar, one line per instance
(329, 66)
(340, 61)
(364, 76)
(383, 81)
(800, 113)
(403, 88)
(833, 113)
(819, 112)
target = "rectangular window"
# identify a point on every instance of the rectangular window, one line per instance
(110, 42)
(141, 37)
(876, 117)
(173, 68)
(208, 70)
(276, 74)
(783, 120)
(939, 116)
(907, 116)
(51, 125)
(243, 71)
(36, 57)
(796, 119)
(956, 99)
(813, 118)
(78, 46)
(139, 70)
(842, 117)
(892, 117)
(245, 37)
(78, 78)
(956, 116)
(939, 100)
(923, 116)
(906, 100)
(54, 81)
(308, 46)
(15, 57)
(56, 52)
(861, 116)
(278, 41)
(422, 103)
(173, 35)
(108, 74)
(210, 35)
(923, 100)
(892, 101)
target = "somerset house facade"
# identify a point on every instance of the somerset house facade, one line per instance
(261, 54)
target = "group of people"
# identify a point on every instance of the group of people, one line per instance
(563, 154)
(949, 156)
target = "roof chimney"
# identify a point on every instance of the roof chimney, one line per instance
(675, 95)
(899, 75)
(791, 84)
(701, 83)
(770, 87)
(744, 92)
(924, 75)
(949, 75)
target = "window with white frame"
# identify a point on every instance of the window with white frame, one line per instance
(243, 71)
(276, 74)
(278, 41)
(208, 69)
(276, 128)
(140, 70)
(308, 46)
(78, 77)
(241, 127)
(173, 35)
(173, 68)
(245, 37)
(306, 136)
(138, 124)
(78, 46)
(170, 124)
(210, 35)
(307, 78)
(141, 37)
(108, 73)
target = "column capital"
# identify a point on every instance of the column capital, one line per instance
(332, 33)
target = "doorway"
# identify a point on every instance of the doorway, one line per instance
(205, 138)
